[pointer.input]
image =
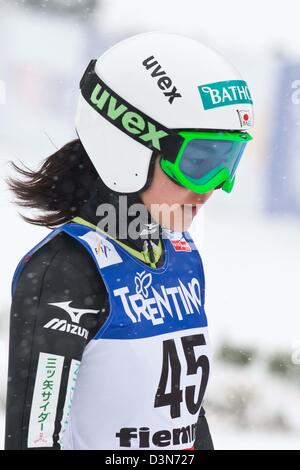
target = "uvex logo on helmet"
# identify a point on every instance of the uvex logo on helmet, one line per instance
(164, 82)
(125, 119)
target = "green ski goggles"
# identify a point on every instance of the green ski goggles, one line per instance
(206, 160)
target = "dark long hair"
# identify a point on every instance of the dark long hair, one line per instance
(59, 188)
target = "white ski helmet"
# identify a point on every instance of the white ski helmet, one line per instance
(142, 91)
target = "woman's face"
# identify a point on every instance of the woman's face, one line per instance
(171, 205)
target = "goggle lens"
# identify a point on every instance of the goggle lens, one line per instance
(203, 157)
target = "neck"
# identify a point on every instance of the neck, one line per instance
(144, 232)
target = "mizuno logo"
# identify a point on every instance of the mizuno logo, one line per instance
(150, 228)
(164, 82)
(75, 315)
(63, 325)
(125, 119)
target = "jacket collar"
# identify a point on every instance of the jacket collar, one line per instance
(150, 232)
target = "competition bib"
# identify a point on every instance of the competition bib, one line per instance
(143, 376)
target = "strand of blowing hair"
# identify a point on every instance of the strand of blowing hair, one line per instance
(58, 188)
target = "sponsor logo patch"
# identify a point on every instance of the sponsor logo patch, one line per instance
(106, 254)
(147, 303)
(149, 229)
(74, 369)
(75, 314)
(214, 95)
(181, 245)
(44, 401)
(184, 435)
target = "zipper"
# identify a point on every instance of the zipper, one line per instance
(149, 254)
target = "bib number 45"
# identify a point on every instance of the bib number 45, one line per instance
(171, 367)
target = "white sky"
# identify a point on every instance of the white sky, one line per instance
(252, 25)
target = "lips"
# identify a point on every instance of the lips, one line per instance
(192, 205)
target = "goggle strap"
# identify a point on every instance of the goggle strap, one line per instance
(150, 133)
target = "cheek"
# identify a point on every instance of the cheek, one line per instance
(206, 196)
(171, 192)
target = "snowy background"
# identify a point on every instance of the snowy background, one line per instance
(249, 240)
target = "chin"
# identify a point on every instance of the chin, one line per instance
(181, 227)
(178, 220)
